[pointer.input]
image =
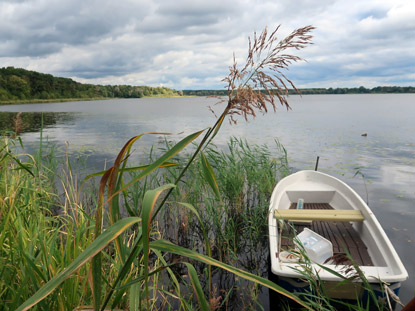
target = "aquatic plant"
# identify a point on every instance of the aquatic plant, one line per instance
(137, 255)
(36, 243)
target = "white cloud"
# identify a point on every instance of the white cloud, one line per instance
(189, 44)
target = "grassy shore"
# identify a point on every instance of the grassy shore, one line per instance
(61, 100)
(41, 101)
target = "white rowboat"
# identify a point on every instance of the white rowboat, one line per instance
(333, 210)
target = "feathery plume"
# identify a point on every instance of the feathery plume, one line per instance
(261, 81)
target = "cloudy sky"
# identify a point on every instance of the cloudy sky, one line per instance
(189, 44)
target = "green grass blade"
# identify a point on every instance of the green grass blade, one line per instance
(160, 161)
(109, 179)
(19, 163)
(209, 175)
(173, 279)
(97, 260)
(134, 297)
(141, 278)
(96, 246)
(114, 181)
(129, 169)
(204, 305)
(218, 124)
(205, 237)
(169, 247)
(149, 201)
(137, 248)
(34, 267)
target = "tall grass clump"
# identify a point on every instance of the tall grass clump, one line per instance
(36, 242)
(245, 177)
(233, 218)
(129, 260)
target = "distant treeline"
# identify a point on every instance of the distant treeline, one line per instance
(18, 84)
(357, 90)
(205, 92)
(21, 84)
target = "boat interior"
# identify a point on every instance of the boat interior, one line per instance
(341, 234)
(333, 210)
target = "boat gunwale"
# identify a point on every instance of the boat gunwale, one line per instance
(373, 273)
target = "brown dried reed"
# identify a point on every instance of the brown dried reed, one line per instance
(262, 80)
(18, 124)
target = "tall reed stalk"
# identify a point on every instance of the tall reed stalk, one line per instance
(137, 255)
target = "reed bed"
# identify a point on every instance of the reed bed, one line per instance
(37, 243)
(47, 223)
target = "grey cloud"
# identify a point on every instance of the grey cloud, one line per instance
(188, 17)
(196, 8)
(329, 73)
(41, 28)
(108, 62)
(191, 41)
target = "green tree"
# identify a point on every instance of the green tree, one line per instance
(18, 87)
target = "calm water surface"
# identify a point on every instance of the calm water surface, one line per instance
(329, 126)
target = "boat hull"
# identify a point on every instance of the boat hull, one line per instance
(316, 187)
(345, 293)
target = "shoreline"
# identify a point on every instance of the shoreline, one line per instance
(49, 101)
(63, 100)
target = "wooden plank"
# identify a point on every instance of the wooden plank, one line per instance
(312, 206)
(358, 244)
(341, 234)
(318, 214)
(344, 242)
(319, 211)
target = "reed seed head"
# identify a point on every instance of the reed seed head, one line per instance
(261, 81)
(18, 124)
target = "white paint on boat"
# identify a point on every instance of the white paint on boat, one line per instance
(317, 187)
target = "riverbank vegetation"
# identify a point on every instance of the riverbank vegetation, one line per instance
(18, 85)
(47, 222)
(206, 242)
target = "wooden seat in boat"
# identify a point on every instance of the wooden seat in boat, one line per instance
(318, 214)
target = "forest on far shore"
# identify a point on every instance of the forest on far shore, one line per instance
(17, 84)
(20, 84)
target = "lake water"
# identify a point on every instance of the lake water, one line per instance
(329, 126)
